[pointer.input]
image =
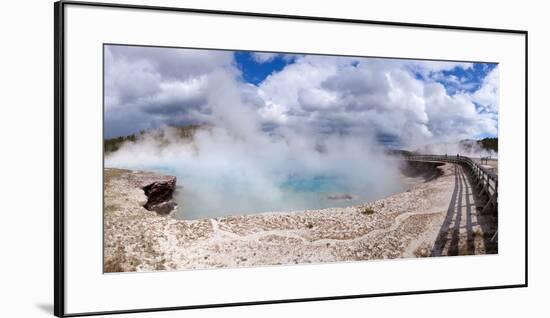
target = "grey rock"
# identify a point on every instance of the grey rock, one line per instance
(159, 195)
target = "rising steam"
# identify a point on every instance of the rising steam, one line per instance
(234, 165)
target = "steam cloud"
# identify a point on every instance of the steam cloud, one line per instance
(318, 116)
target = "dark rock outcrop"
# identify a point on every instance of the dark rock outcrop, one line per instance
(427, 170)
(158, 188)
(159, 195)
(344, 196)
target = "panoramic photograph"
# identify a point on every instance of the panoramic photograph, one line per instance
(224, 159)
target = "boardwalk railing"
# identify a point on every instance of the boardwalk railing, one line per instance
(485, 180)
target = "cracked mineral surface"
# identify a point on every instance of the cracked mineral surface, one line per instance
(436, 216)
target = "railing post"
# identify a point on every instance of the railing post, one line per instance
(481, 177)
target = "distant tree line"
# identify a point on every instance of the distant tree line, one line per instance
(183, 132)
(489, 143)
(113, 144)
(399, 152)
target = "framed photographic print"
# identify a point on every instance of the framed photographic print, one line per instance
(209, 158)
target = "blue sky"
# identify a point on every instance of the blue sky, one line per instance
(457, 80)
(254, 72)
(472, 78)
(399, 102)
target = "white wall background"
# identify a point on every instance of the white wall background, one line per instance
(26, 177)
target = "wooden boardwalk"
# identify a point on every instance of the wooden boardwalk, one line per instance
(484, 181)
(476, 189)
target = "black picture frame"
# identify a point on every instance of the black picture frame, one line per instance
(59, 152)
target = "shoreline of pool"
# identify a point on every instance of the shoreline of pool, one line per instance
(405, 224)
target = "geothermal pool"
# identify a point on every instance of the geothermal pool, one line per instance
(229, 195)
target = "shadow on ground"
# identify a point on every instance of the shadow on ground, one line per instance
(466, 230)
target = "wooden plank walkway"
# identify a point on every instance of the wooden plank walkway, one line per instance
(484, 181)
